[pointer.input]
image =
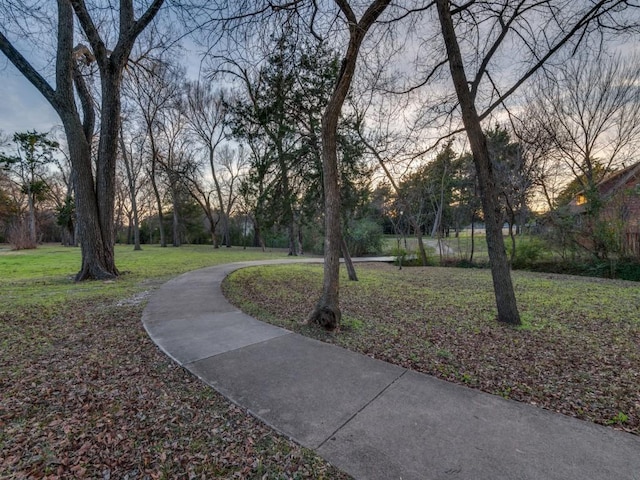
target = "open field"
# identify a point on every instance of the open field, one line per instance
(86, 394)
(577, 353)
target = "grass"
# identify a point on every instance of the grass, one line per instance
(577, 352)
(44, 276)
(86, 394)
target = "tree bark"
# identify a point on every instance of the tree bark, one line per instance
(421, 250)
(500, 269)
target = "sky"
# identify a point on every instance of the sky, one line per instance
(22, 107)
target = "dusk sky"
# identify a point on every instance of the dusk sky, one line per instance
(22, 107)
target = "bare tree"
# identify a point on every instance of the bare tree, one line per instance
(153, 88)
(508, 23)
(132, 152)
(176, 159)
(205, 114)
(327, 311)
(94, 194)
(588, 112)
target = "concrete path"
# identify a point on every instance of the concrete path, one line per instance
(369, 418)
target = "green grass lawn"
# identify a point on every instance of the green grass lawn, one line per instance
(45, 275)
(87, 394)
(578, 351)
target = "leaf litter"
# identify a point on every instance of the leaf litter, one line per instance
(86, 394)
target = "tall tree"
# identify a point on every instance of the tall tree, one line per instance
(95, 194)
(154, 88)
(327, 311)
(206, 113)
(515, 23)
(266, 108)
(587, 111)
(132, 152)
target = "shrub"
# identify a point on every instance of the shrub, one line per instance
(528, 253)
(364, 237)
(19, 238)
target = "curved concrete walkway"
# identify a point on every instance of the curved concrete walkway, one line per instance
(369, 418)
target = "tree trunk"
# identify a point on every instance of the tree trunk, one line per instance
(327, 312)
(500, 269)
(348, 262)
(258, 241)
(156, 194)
(33, 236)
(176, 215)
(97, 263)
(225, 220)
(131, 182)
(289, 214)
(473, 237)
(436, 222)
(421, 250)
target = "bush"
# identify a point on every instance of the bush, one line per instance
(462, 263)
(18, 237)
(528, 253)
(364, 237)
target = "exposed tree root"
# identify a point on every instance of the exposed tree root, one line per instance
(325, 316)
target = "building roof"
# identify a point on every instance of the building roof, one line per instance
(618, 179)
(608, 186)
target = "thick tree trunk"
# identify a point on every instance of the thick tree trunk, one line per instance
(327, 312)
(500, 269)
(97, 263)
(258, 241)
(293, 238)
(105, 184)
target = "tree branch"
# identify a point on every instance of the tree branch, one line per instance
(97, 45)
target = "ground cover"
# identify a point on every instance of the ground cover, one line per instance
(578, 352)
(86, 393)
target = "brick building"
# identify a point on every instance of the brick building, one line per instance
(619, 193)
